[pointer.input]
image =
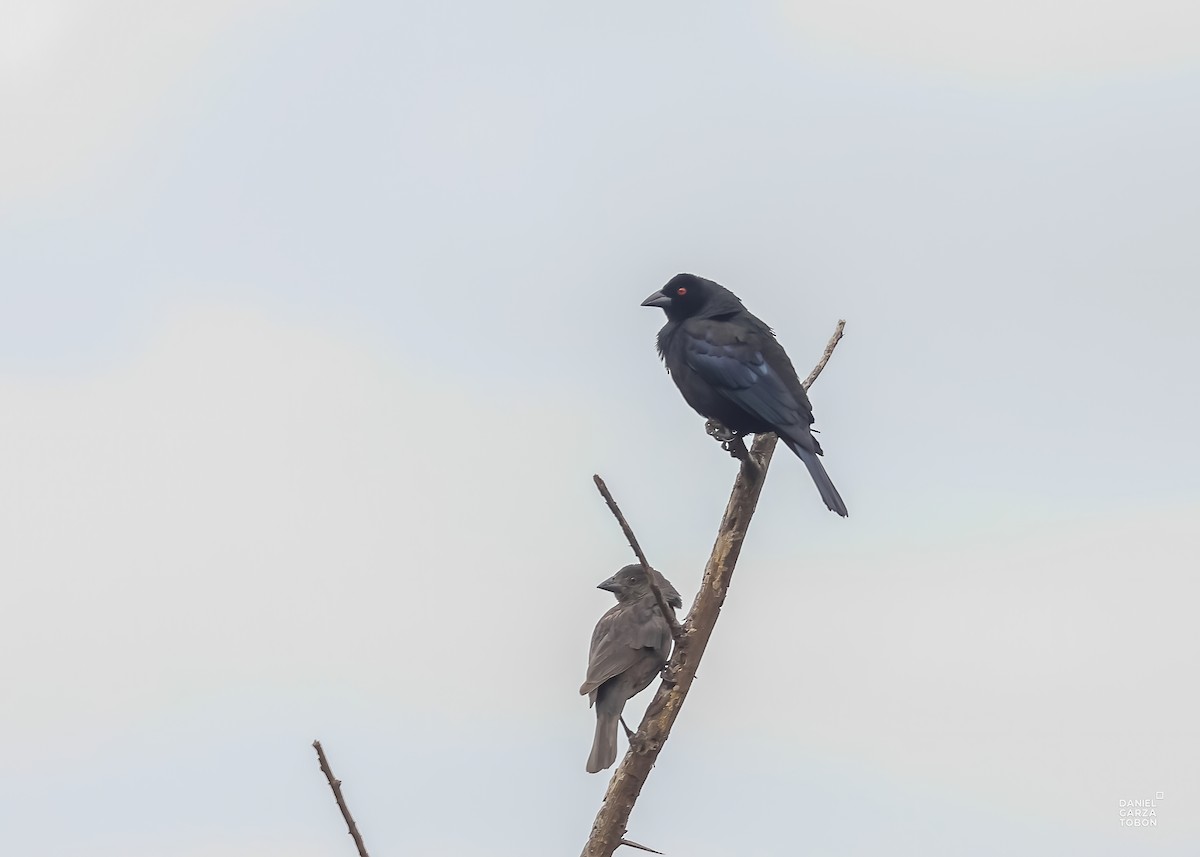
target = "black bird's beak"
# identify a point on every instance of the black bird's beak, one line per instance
(658, 299)
(610, 585)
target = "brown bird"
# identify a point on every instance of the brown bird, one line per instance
(630, 646)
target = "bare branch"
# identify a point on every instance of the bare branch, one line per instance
(832, 344)
(609, 829)
(669, 615)
(336, 785)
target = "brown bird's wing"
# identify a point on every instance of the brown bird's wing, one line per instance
(620, 641)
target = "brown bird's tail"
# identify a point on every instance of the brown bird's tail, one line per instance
(833, 500)
(604, 745)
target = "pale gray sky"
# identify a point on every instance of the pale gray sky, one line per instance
(316, 319)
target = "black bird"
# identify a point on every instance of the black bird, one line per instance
(630, 646)
(730, 368)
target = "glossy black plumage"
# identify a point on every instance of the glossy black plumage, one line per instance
(630, 646)
(730, 368)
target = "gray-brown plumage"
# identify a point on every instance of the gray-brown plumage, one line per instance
(630, 646)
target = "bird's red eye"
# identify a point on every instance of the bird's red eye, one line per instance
(681, 291)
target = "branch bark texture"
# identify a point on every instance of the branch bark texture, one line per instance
(336, 785)
(609, 828)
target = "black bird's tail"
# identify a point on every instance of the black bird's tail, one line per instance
(604, 745)
(833, 500)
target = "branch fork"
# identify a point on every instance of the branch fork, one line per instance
(691, 638)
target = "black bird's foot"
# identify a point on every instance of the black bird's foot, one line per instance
(737, 449)
(718, 431)
(628, 732)
(668, 675)
(731, 441)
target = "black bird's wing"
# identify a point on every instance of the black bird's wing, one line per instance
(733, 359)
(741, 361)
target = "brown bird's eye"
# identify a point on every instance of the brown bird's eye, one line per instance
(681, 291)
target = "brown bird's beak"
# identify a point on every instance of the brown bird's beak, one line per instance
(657, 299)
(610, 585)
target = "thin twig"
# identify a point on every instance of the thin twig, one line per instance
(638, 846)
(832, 344)
(669, 615)
(336, 785)
(609, 828)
